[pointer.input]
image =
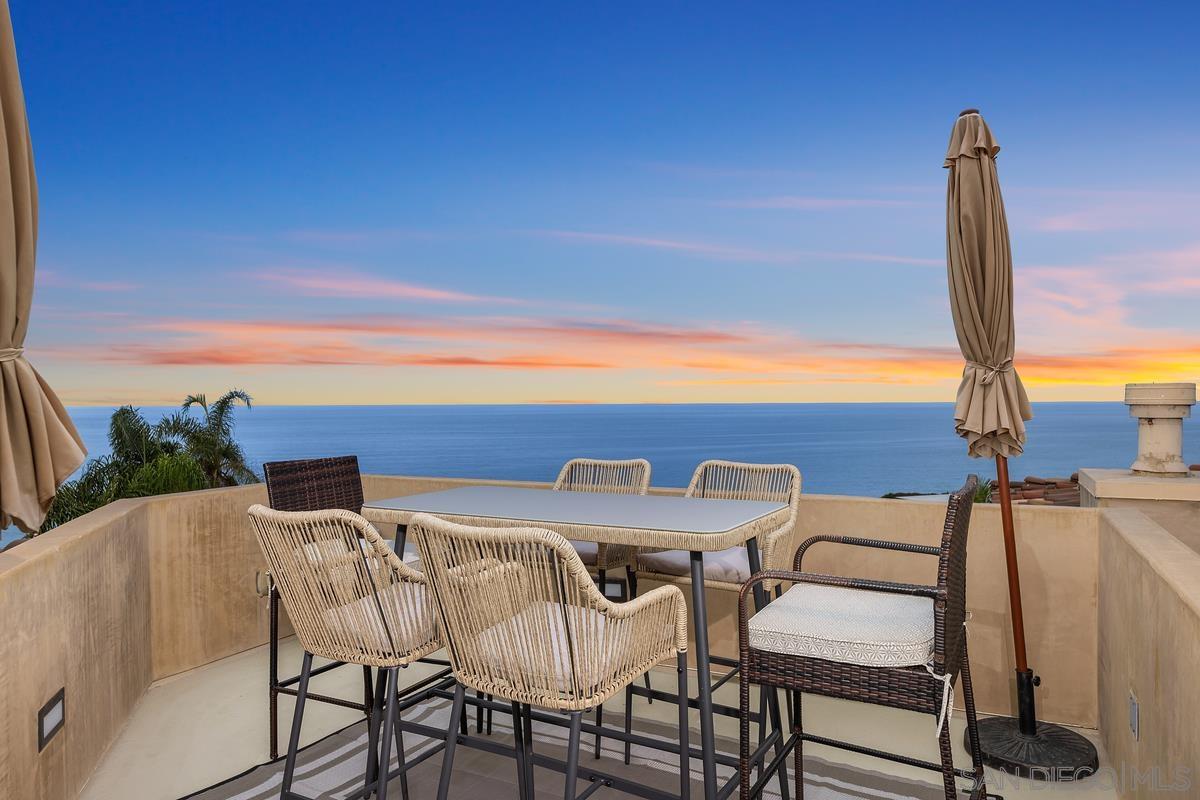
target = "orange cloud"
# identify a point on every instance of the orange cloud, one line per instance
(715, 356)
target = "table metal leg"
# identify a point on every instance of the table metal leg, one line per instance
(519, 749)
(273, 678)
(760, 602)
(378, 705)
(708, 747)
(401, 539)
(527, 722)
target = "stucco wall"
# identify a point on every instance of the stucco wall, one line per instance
(144, 589)
(74, 612)
(1149, 643)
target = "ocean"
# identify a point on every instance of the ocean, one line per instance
(863, 449)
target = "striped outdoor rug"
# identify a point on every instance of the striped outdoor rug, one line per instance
(333, 768)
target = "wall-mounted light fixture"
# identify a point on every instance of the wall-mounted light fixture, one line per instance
(51, 718)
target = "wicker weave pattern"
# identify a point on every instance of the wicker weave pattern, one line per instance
(314, 484)
(524, 621)
(636, 537)
(731, 480)
(608, 477)
(912, 688)
(349, 597)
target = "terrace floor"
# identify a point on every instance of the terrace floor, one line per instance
(201, 727)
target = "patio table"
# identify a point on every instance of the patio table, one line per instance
(667, 522)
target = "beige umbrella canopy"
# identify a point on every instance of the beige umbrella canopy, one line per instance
(992, 407)
(39, 446)
(990, 414)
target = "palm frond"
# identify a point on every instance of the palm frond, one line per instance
(131, 437)
(220, 415)
(195, 400)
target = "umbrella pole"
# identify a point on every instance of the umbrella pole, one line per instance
(1022, 746)
(1026, 680)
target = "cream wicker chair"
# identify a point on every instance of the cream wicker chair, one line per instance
(523, 621)
(350, 599)
(608, 477)
(729, 569)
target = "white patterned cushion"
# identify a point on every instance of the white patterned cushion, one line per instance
(853, 626)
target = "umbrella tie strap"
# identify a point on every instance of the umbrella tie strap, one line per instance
(990, 372)
(10, 353)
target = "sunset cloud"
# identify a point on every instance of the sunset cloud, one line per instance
(732, 253)
(810, 203)
(705, 355)
(1094, 211)
(340, 282)
(55, 279)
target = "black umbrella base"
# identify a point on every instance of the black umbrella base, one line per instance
(1055, 753)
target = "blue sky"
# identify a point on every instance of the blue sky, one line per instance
(377, 202)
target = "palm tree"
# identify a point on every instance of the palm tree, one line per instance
(180, 453)
(143, 462)
(209, 439)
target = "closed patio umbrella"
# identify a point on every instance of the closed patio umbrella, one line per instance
(39, 446)
(990, 413)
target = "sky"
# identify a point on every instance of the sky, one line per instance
(361, 203)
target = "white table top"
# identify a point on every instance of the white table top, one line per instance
(668, 513)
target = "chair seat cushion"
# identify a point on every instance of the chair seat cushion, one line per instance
(409, 624)
(730, 566)
(852, 626)
(570, 650)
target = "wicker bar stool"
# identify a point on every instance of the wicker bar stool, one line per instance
(891, 644)
(608, 477)
(308, 485)
(728, 569)
(523, 621)
(731, 480)
(351, 599)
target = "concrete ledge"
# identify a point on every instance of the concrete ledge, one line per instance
(1122, 484)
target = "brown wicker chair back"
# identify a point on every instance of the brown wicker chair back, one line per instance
(952, 575)
(314, 484)
(348, 596)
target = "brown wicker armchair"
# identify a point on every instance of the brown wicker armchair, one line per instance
(308, 485)
(352, 600)
(892, 644)
(523, 621)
